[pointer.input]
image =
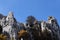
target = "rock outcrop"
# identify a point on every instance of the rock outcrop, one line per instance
(32, 29)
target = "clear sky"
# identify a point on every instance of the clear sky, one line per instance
(40, 9)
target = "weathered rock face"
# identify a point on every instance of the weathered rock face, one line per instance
(10, 18)
(54, 28)
(49, 30)
(9, 25)
(36, 30)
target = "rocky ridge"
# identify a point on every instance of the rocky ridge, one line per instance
(32, 29)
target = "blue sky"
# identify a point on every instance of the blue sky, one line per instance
(40, 9)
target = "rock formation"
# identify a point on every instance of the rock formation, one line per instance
(32, 29)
